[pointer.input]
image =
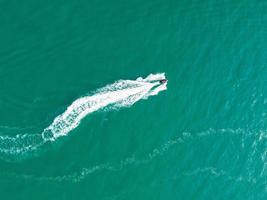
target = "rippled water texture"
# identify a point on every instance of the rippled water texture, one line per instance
(76, 122)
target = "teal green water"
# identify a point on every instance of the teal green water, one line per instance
(203, 138)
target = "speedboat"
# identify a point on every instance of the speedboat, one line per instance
(163, 81)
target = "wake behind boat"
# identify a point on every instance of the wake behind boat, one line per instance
(122, 93)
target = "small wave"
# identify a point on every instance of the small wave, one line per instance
(132, 160)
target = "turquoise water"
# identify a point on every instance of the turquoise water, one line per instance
(204, 137)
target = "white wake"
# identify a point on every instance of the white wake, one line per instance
(122, 93)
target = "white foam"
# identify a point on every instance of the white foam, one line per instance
(120, 94)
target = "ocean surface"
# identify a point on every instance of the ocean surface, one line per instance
(83, 116)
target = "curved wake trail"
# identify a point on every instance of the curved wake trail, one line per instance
(122, 93)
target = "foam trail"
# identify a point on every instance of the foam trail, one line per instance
(120, 94)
